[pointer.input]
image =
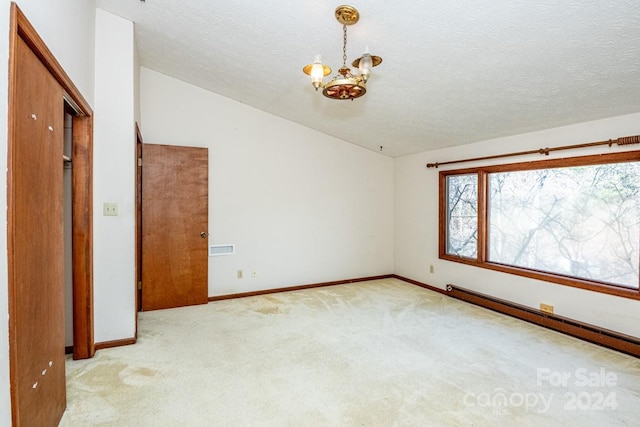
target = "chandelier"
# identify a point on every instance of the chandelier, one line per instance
(345, 85)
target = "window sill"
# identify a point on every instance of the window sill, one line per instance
(604, 288)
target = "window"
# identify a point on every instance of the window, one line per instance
(571, 221)
(462, 215)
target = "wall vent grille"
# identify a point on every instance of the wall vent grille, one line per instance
(215, 250)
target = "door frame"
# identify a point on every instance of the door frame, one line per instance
(82, 194)
(138, 201)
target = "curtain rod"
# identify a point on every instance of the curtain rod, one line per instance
(625, 140)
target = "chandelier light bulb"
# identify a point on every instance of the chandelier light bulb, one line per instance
(365, 66)
(317, 72)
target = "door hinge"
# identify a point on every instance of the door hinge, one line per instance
(139, 161)
(140, 285)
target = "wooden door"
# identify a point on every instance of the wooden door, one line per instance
(36, 244)
(174, 226)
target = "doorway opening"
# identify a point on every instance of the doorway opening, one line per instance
(67, 206)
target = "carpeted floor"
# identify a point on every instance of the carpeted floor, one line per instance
(380, 353)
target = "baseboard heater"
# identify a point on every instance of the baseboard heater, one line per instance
(607, 338)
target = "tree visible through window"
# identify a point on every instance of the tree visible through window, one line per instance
(580, 221)
(462, 215)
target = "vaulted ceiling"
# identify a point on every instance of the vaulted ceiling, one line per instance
(453, 71)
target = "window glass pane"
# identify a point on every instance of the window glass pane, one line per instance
(576, 221)
(462, 215)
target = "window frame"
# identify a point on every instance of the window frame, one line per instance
(483, 217)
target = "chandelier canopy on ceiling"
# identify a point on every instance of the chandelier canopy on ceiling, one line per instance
(345, 85)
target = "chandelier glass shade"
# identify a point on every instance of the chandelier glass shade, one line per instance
(345, 84)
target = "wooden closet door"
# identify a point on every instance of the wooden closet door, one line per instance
(36, 244)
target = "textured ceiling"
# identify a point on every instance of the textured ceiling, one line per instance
(454, 71)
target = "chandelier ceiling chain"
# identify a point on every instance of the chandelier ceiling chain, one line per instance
(344, 45)
(345, 85)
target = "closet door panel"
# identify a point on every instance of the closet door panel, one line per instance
(36, 244)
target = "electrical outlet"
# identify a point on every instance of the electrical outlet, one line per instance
(110, 209)
(431, 269)
(239, 274)
(546, 308)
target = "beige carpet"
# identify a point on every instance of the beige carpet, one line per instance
(380, 353)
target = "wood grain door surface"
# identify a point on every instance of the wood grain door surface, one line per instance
(174, 226)
(36, 245)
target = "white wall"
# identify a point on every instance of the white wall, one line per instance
(416, 227)
(67, 27)
(300, 206)
(114, 178)
(136, 83)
